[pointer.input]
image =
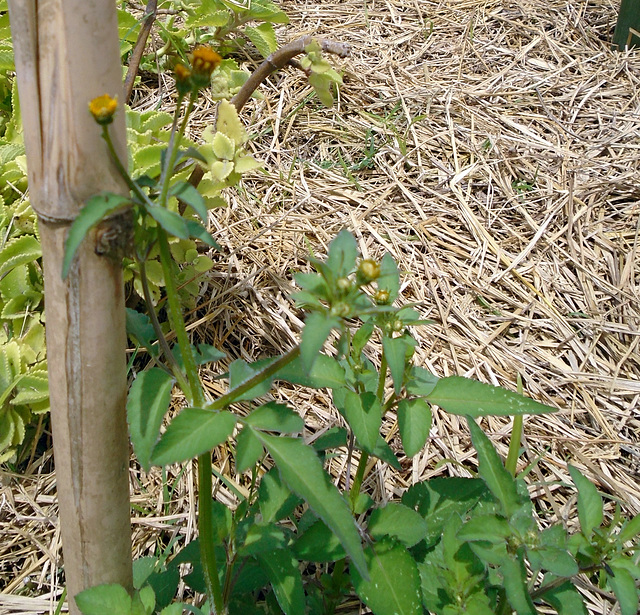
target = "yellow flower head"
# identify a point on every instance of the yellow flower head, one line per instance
(183, 78)
(103, 108)
(204, 60)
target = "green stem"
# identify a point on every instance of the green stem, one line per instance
(359, 477)
(516, 438)
(162, 340)
(195, 396)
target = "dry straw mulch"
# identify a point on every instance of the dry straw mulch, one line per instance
(492, 148)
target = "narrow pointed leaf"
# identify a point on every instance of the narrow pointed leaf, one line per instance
(197, 231)
(95, 209)
(248, 450)
(316, 330)
(414, 423)
(364, 414)
(19, 251)
(147, 403)
(464, 396)
(492, 471)
(515, 585)
(187, 193)
(193, 432)
(282, 569)
(302, 471)
(394, 352)
(624, 587)
(343, 252)
(170, 221)
(590, 505)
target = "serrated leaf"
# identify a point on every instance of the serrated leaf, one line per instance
(32, 389)
(302, 471)
(317, 327)
(112, 599)
(464, 396)
(263, 37)
(189, 195)
(364, 414)
(394, 584)
(590, 505)
(422, 382)
(493, 472)
(552, 559)
(282, 569)
(239, 372)
(193, 432)
(19, 251)
(229, 123)
(398, 521)
(414, 423)
(139, 326)
(147, 403)
(95, 209)
(273, 416)
(223, 146)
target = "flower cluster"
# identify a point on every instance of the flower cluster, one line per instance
(204, 61)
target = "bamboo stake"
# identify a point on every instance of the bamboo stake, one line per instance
(66, 53)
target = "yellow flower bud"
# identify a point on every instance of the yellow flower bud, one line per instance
(368, 270)
(103, 108)
(204, 61)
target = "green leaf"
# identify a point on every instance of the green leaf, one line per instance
(325, 373)
(32, 388)
(302, 471)
(248, 450)
(147, 403)
(19, 251)
(95, 209)
(489, 528)
(274, 497)
(263, 37)
(112, 599)
(239, 372)
(464, 396)
(389, 278)
(565, 599)
(170, 221)
(394, 584)
(139, 326)
(624, 587)
(261, 538)
(554, 560)
(319, 544)
(193, 432)
(514, 575)
(590, 505)
(197, 231)
(422, 382)
(282, 569)
(188, 194)
(629, 530)
(343, 252)
(317, 328)
(414, 423)
(206, 353)
(144, 601)
(364, 414)
(398, 521)
(493, 472)
(395, 353)
(273, 416)
(383, 451)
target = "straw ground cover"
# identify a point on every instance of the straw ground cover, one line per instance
(492, 148)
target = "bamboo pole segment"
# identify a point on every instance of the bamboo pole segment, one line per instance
(67, 53)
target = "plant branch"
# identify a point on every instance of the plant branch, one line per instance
(138, 50)
(277, 60)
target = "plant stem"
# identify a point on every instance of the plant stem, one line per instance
(359, 477)
(162, 340)
(195, 396)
